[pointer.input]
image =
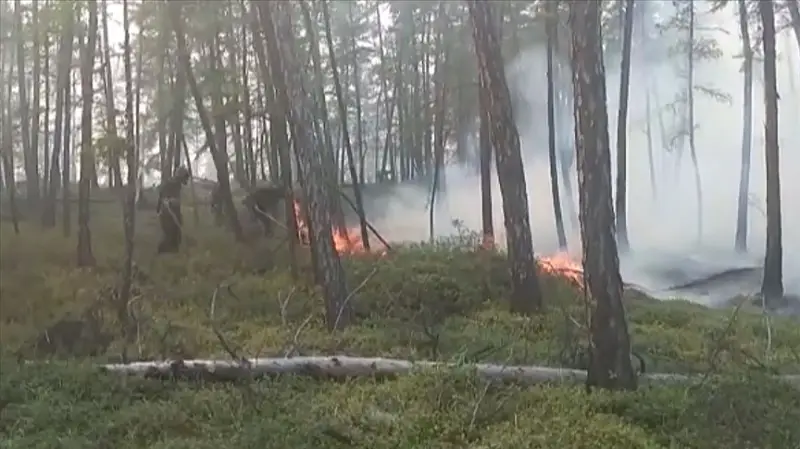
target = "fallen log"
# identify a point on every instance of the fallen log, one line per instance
(343, 367)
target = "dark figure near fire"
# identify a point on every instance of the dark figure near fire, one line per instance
(217, 205)
(169, 211)
(263, 202)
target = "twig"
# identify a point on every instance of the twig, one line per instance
(284, 303)
(296, 338)
(478, 405)
(369, 225)
(768, 324)
(270, 217)
(244, 362)
(346, 301)
(713, 356)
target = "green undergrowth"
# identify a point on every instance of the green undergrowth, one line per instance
(435, 302)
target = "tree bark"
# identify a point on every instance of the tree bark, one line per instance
(747, 131)
(691, 131)
(526, 296)
(279, 110)
(30, 158)
(772, 285)
(129, 207)
(220, 158)
(85, 256)
(609, 360)
(354, 179)
(311, 162)
(61, 123)
(111, 111)
(552, 29)
(622, 131)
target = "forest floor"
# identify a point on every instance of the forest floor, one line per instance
(438, 302)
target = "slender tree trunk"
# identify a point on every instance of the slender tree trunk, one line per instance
(691, 130)
(68, 148)
(279, 136)
(328, 265)
(37, 82)
(130, 189)
(6, 143)
(485, 143)
(46, 154)
(31, 158)
(115, 174)
(526, 295)
(747, 131)
(649, 132)
(772, 285)
(622, 131)
(343, 114)
(552, 29)
(161, 97)
(85, 256)
(220, 159)
(247, 107)
(62, 93)
(609, 357)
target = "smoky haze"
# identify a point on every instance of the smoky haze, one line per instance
(662, 229)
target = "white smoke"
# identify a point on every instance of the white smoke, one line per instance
(662, 232)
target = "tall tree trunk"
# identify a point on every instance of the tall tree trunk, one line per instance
(46, 154)
(346, 135)
(329, 266)
(440, 90)
(278, 111)
(176, 140)
(234, 114)
(162, 108)
(111, 111)
(37, 82)
(31, 158)
(85, 256)
(6, 144)
(68, 148)
(247, 108)
(649, 132)
(747, 131)
(220, 158)
(485, 143)
(691, 130)
(552, 29)
(131, 154)
(609, 359)
(622, 131)
(526, 295)
(62, 93)
(772, 285)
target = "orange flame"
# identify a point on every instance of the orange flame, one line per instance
(560, 264)
(346, 241)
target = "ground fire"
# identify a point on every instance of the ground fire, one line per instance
(562, 265)
(348, 241)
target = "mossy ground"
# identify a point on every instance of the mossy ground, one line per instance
(444, 302)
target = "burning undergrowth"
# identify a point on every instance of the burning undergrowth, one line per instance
(348, 242)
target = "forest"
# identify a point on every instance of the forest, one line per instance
(399, 224)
